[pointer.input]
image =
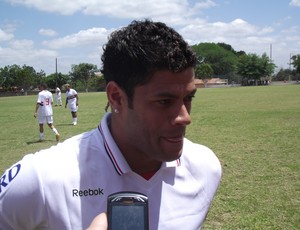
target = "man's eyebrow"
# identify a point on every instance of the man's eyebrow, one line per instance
(166, 94)
(173, 95)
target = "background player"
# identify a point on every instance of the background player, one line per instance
(72, 102)
(45, 112)
(58, 96)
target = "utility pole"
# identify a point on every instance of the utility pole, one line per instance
(271, 53)
(290, 64)
(269, 80)
(56, 71)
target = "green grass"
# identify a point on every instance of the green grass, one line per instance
(19, 131)
(255, 132)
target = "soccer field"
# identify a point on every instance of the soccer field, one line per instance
(255, 132)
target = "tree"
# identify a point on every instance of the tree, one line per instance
(204, 71)
(16, 77)
(9, 75)
(83, 73)
(97, 82)
(221, 57)
(59, 79)
(296, 62)
(27, 77)
(282, 75)
(4, 77)
(266, 65)
(229, 48)
(253, 67)
(40, 76)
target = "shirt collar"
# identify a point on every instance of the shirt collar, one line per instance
(114, 152)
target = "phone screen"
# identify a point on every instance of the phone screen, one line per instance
(127, 211)
(128, 217)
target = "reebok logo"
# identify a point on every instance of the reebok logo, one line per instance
(87, 192)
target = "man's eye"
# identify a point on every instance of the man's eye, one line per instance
(164, 102)
(189, 98)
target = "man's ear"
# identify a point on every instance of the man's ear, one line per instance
(116, 96)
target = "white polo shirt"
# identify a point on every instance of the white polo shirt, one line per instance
(66, 186)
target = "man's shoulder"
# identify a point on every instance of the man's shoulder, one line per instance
(199, 156)
(192, 147)
(45, 92)
(71, 92)
(74, 91)
(65, 152)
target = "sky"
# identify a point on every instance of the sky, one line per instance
(53, 35)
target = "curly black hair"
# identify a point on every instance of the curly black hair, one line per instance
(134, 53)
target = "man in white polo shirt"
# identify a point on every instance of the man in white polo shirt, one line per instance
(138, 146)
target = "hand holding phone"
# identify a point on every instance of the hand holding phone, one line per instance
(99, 222)
(127, 211)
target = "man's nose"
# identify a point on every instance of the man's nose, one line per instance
(183, 117)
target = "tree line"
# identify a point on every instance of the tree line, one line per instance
(221, 60)
(85, 77)
(214, 60)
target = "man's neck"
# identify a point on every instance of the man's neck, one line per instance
(138, 161)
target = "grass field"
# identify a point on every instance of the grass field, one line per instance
(255, 132)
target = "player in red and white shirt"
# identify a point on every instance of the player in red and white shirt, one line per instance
(44, 112)
(72, 102)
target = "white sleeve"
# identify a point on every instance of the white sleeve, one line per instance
(39, 100)
(22, 204)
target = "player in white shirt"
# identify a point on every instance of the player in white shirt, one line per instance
(58, 97)
(139, 146)
(72, 102)
(44, 112)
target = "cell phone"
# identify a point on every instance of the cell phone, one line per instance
(127, 211)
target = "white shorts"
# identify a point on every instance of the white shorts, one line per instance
(73, 108)
(45, 120)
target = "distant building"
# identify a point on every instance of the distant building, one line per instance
(210, 82)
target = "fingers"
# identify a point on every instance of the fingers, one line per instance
(99, 222)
